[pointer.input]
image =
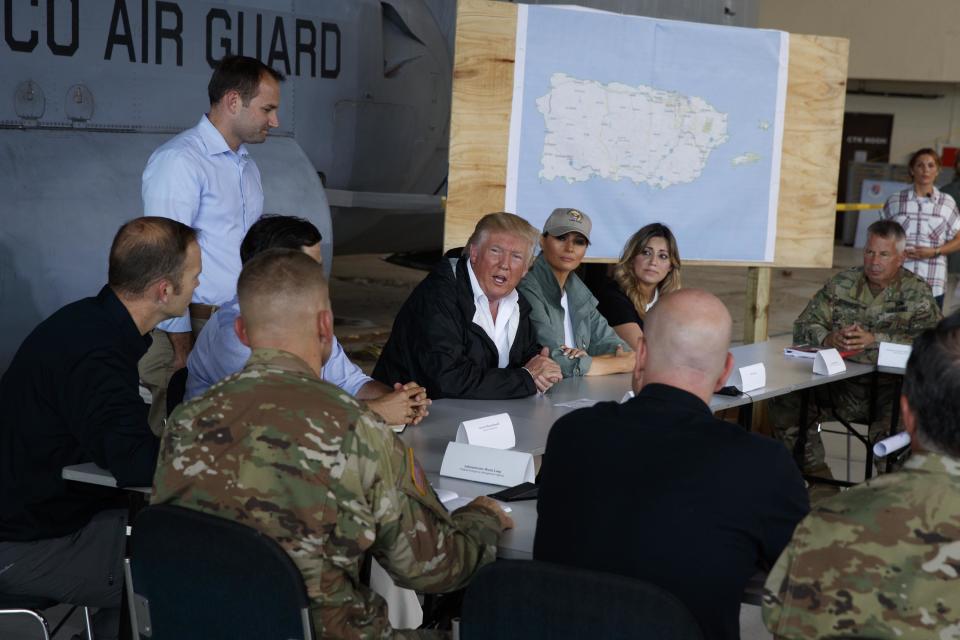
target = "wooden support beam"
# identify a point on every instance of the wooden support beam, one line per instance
(757, 315)
(755, 326)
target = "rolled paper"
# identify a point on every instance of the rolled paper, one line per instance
(888, 445)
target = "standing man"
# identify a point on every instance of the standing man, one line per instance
(205, 178)
(70, 396)
(664, 491)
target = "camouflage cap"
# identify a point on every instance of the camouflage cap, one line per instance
(563, 221)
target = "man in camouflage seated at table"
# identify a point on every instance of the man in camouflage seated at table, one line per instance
(856, 310)
(880, 560)
(279, 450)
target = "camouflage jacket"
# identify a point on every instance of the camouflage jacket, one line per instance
(896, 314)
(877, 561)
(275, 448)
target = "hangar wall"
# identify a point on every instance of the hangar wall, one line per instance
(903, 48)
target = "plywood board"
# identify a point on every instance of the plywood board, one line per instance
(480, 129)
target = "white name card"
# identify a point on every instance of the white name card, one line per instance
(748, 378)
(827, 362)
(492, 431)
(893, 354)
(483, 464)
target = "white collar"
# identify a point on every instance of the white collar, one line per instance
(656, 296)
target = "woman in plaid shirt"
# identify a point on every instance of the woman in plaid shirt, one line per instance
(930, 219)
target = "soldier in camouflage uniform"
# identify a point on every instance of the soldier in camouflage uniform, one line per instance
(880, 560)
(856, 310)
(276, 448)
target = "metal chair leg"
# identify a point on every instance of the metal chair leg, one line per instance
(88, 623)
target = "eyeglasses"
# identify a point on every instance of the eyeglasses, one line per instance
(651, 255)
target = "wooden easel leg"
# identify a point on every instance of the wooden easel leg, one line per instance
(755, 325)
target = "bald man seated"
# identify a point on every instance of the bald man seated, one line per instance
(664, 491)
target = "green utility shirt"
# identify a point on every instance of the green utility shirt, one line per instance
(896, 314)
(590, 329)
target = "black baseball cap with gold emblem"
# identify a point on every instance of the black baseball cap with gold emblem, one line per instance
(563, 221)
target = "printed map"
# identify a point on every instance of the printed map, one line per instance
(637, 120)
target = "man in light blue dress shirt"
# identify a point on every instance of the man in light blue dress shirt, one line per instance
(205, 178)
(218, 351)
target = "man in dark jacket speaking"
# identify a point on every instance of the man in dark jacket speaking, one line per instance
(465, 331)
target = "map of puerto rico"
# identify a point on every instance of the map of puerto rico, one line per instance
(637, 120)
(616, 131)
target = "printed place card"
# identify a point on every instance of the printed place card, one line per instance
(483, 464)
(748, 378)
(828, 362)
(894, 355)
(494, 431)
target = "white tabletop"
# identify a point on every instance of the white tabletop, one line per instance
(534, 416)
(90, 473)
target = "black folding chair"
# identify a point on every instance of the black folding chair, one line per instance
(530, 600)
(197, 576)
(31, 607)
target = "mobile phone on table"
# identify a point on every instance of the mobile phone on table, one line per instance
(525, 491)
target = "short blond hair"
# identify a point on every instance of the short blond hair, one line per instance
(503, 222)
(277, 284)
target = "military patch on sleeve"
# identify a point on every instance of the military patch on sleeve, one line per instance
(417, 475)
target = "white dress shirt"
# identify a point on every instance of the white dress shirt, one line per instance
(568, 339)
(503, 330)
(196, 179)
(219, 353)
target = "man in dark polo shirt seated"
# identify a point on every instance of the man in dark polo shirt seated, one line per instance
(664, 491)
(71, 396)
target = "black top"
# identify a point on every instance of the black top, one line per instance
(659, 489)
(435, 343)
(71, 395)
(614, 305)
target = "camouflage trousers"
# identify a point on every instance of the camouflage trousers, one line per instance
(851, 400)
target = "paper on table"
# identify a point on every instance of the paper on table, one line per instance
(577, 404)
(452, 501)
(445, 495)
